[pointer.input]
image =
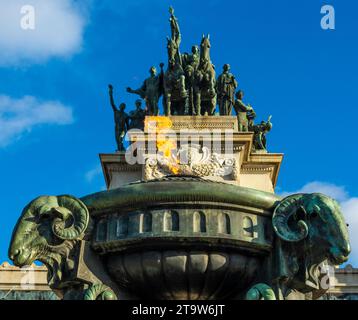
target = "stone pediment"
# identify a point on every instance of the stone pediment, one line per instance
(240, 166)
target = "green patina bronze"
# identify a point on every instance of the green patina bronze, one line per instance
(260, 131)
(48, 231)
(121, 120)
(137, 116)
(99, 292)
(189, 87)
(151, 90)
(173, 188)
(309, 228)
(245, 113)
(261, 291)
(183, 237)
(225, 87)
(310, 231)
(28, 295)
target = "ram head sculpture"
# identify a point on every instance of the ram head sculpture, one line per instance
(48, 231)
(311, 231)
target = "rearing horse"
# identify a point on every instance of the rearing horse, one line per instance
(175, 94)
(205, 78)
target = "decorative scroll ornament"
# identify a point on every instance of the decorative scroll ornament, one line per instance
(261, 291)
(99, 292)
(191, 160)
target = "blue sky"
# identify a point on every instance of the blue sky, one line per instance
(54, 112)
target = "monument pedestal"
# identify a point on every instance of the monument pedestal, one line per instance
(205, 140)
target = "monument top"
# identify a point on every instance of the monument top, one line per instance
(191, 138)
(189, 87)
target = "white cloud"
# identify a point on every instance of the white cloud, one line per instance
(93, 173)
(18, 116)
(348, 204)
(59, 28)
(337, 192)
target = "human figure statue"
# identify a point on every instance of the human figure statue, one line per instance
(174, 27)
(137, 116)
(151, 90)
(175, 93)
(190, 84)
(121, 120)
(226, 86)
(260, 130)
(191, 62)
(192, 59)
(245, 113)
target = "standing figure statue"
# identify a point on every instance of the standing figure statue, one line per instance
(245, 113)
(175, 93)
(121, 120)
(204, 83)
(191, 64)
(137, 116)
(260, 130)
(174, 28)
(226, 87)
(151, 90)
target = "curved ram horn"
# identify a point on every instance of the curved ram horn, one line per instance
(288, 208)
(71, 218)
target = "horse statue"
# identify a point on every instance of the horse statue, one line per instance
(205, 78)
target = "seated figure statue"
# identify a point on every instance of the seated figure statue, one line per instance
(260, 130)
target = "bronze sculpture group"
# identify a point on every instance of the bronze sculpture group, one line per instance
(125, 122)
(189, 88)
